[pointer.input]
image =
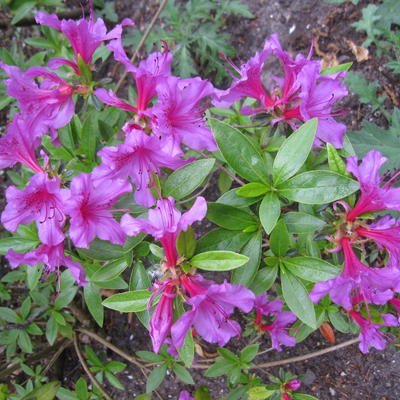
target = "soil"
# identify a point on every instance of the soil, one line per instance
(346, 373)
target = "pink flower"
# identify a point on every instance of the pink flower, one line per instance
(164, 224)
(376, 194)
(370, 334)
(212, 304)
(40, 201)
(294, 384)
(52, 257)
(177, 114)
(19, 146)
(85, 36)
(89, 206)
(47, 106)
(146, 76)
(139, 157)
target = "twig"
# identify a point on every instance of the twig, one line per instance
(56, 355)
(141, 43)
(295, 359)
(87, 370)
(112, 347)
(222, 168)
(24, 324)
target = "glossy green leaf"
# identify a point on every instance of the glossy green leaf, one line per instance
(183, 374)
(186, 179)
(155, 378)
(239, 151)
(269, 211)
(264, 279)
(111, 270)
(18, 244)
(186, 243)
(253, 189)
(132, 301)
(318, 187)
(244, 276)
(93, 301)
(311, 269)
(294, 152)
(229, 217)
(280, 241)
(299, 222)
(231, 198)
(186, 352)
(297, 298)
(223, 239)
(218, 260)
(336, 69)
(89, 136)
(335, 162)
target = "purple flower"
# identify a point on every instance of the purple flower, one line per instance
(370, 334)
(177, 114)
(164, 224)
(146, 75)
(212, 304)
(139, 157)
(18, 146)
(85, 36)
(318, 95)
(185, 396)
(294, 384)
(163, 315)
(89, 206)
(47, 106)
(40, 201)
(376, 194)
(52, 257)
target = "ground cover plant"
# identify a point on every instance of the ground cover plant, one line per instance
(109, 192)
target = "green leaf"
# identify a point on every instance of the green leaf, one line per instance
(311, 269)
(232, 199)
(229, 217)
(18, 244)
(51, 330)
(24, 342)
(183, 61)
(218, 260)
(183, 374)
(155, 378)
(264, 279)
(259, 393)
(249, 353)
(318, 187)
(39, 42)
(186, 352)
(81, 389)
(57, 152)
(336, 69)
(339, 322)
(280, 241)
(336, 164)
(302, 396)
(300, 222)
(93, 301)
(186, 179)
(65, 297)
(111, 270)
(186, 243)
(245, 276)
(253, 189)
(33, 275)
(222, 239)
(294, 152)
(132, 301)
(239, 151)
(23, 11)
(228, 355)
(220, 367)
(269, 211)
(89, 136)
(296, 297)
(45, 392)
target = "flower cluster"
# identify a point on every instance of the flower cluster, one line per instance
(359, 285)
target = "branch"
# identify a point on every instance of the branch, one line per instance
(141, 43)
(87, 370)
(24, 324)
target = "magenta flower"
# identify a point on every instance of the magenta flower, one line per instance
(294, 384)
(139, 157)
(52, 257)
(47, 106)
(164, 224)
(212, 304)
(85, 36)
(185, 396)
(278, 328)
(40, 201)
(370, 334)
(177, 114)
(146, 75)
(376, 194)
(18, 146)
(357, 282)
(163, 315)
(89, 206)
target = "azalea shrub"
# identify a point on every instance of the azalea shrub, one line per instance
(108, 204)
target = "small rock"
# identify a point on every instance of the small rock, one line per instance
(332, 391)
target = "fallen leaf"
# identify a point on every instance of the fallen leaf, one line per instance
(361, 53)
(327, 332)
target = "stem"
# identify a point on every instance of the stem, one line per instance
(23, 325)
(141, 43)
(222, 168)
(295, 359)
(87, 370)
